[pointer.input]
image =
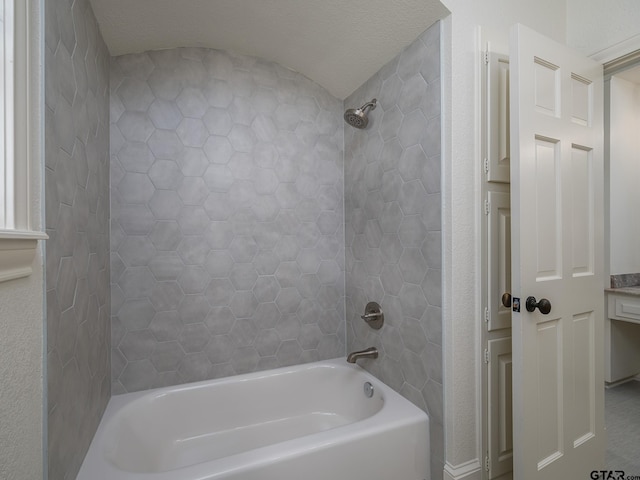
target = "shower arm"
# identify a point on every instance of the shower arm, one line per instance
(372, 105)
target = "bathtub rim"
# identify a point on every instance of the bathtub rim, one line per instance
(397, 411)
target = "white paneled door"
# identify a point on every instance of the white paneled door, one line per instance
(557, 257)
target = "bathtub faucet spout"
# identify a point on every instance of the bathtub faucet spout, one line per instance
(371, 352)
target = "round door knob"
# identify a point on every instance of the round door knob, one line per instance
(506, 299)
(543, 305)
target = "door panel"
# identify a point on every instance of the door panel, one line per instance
(547, 345)
(546, 87)
(499, 261)
(557, 254)
(582, 211)
(498, 145)
(547, 210)
(583, 364)
(500, 408)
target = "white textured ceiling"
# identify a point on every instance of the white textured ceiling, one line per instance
(337, 43)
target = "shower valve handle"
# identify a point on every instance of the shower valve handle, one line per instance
(373, 315)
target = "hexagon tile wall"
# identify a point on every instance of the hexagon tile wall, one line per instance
(77, 221)
(393, 232)
(227, 227)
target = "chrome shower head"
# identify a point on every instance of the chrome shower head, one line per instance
(357, 117)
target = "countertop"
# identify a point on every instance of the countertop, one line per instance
(631, 291)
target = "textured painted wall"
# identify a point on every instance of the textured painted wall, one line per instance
(21, 370)
(227, 218)
(624, 145)
(21, 317)
(77, 221)
(393, 229)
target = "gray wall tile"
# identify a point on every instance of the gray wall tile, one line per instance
(393, 237)
(228, 242)
(77, 220)
(227, 213)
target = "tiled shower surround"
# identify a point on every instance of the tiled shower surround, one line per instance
(228, 234)
(393, 229)
(227, 231)
(77, 222)
(228, 228)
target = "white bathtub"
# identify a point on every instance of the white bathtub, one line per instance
(307, 422)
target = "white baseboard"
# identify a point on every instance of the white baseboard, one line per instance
(624, 380)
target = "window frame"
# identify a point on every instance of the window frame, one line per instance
(20, 129)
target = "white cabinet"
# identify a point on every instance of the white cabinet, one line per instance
(622, 337)
(496, 259)
(624, 307)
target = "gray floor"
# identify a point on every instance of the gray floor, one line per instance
(622, 420)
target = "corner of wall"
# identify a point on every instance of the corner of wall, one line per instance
(393, 227)
(76, 178)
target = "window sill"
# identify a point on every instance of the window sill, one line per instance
(17, 251)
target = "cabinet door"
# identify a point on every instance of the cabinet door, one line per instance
(499, 261)
(498, 162)
(500, 423)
